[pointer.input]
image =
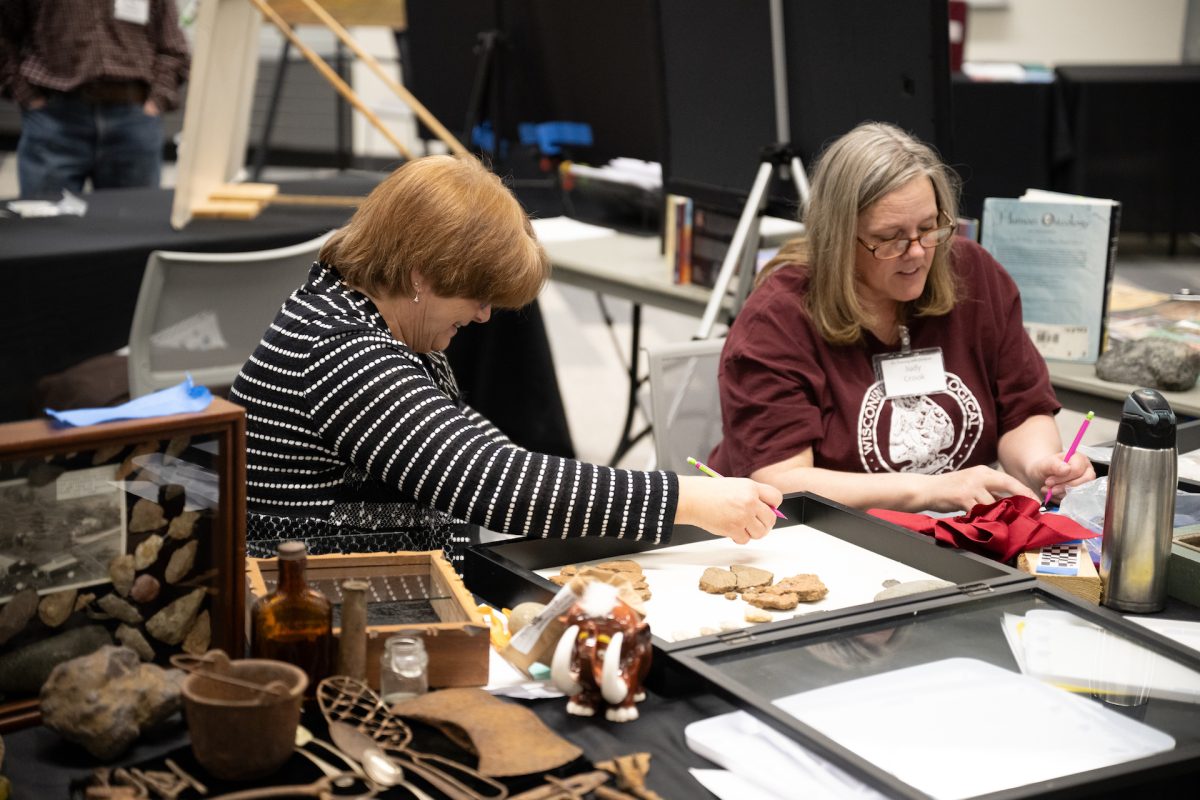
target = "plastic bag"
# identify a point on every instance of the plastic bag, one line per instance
(1085, 504)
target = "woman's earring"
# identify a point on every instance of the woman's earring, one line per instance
(416, 295)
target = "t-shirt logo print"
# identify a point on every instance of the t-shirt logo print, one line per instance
(929, 434)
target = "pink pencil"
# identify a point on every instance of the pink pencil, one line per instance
(712, 473)
(1071, 450)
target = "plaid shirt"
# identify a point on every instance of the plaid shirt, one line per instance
(60, 45)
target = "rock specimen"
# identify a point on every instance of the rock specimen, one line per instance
(750, 577)
(106, 699)
(715, 580)
(616, 572)
(17, 612)
(55, 608)
(912, 587)
(25, 670)
(171, 624)
(1154, 362)
(625, 565)
(808, 588)
(755, 615)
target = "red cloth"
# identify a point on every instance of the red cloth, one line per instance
(999, 530)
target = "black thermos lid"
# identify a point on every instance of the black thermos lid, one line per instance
(1147, 421)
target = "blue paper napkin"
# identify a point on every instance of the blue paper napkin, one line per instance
(184, 398)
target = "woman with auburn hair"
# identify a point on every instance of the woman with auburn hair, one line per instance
(356, 437)
(881, 361)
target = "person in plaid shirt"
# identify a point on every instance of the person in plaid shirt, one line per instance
(92, 78)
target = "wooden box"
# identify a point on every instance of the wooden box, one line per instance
(421, 585)
(121, 519)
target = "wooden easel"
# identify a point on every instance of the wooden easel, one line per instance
(217, 115)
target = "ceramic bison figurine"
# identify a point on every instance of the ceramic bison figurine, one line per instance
(603, 655)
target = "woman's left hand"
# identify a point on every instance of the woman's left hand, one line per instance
(1055, 474)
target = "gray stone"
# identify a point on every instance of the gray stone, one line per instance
(121, 609)
(24, 671)
(105, 700)
(133, 639)
(1152, 362)
(199, 636)
(183, 526)
(181, 562)
(145, 588)
(55, 608)
(120, 569)
(146, 553)
(171, 624)
(147, 516)
(17, 612)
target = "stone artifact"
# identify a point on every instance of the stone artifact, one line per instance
(133, 639)
(120, 569)
(624, 565)
(17, 612)
(911, 587)
(146, 516)
(755, 615)
(750, 577)
(24, 671)
(181, 562)
(146, 553)
(105, 700)
(120, 609)
(626, 572)
(184, 525)
(603, 655)
(1154, 362)
(55, 608)
(171, 624)
(199, 636)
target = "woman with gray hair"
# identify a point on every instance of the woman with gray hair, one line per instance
(357, 438)
(882, 361)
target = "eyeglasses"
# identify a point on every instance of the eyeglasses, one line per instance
(894, 248)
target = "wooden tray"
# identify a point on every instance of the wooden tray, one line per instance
(456, 635)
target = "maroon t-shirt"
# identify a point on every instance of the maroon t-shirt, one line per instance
(784, 388)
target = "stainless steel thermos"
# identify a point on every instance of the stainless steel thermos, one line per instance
(1140, 506)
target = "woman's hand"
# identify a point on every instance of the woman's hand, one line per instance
(963, 490)
(1055, 475)
(736, 508)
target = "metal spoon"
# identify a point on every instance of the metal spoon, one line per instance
(378, 766)
(305, 736)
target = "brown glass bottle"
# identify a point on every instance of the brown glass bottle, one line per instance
(294, 623)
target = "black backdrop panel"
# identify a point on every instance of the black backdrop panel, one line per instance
(578, 62)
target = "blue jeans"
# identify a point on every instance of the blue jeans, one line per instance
(67, 141)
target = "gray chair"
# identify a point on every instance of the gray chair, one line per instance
(684, 401)
(204, 313)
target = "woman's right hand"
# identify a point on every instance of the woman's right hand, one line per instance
(967, 488)
(736, 508)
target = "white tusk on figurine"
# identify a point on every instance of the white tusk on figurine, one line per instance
(560, 665)
(612, 686)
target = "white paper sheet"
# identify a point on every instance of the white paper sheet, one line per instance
(960, 727)
(679, 610)
(565, 229)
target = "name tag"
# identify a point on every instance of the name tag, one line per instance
(135, 11)
(915, 373)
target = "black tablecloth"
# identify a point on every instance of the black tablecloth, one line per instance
(71, 284)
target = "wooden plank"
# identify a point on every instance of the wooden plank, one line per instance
(383, 13)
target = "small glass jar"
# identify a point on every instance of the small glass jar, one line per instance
(403, 669)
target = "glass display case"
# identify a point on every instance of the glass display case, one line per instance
(128, 532)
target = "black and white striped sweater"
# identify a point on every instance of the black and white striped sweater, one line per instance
(349, 433)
